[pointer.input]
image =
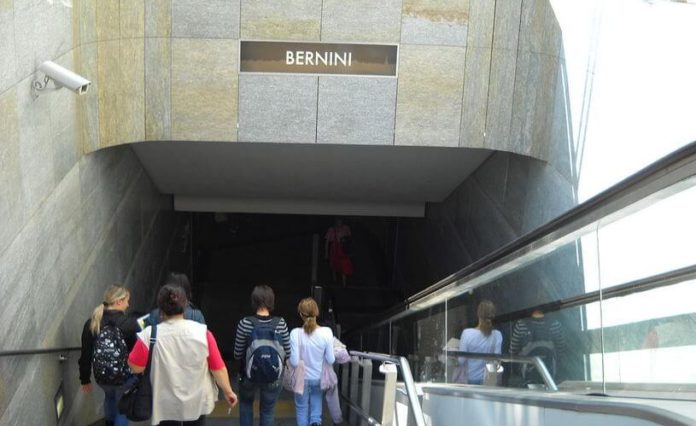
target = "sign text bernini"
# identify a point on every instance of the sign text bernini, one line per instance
(305, 57)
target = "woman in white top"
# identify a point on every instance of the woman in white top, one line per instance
(314, 346)
(183, 357)
(482, 339)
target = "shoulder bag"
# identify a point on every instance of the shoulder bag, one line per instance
(293, 377)
(136, 402)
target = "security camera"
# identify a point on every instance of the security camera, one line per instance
(61, 77)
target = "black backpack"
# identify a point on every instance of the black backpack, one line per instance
(110, 356)
(265, 353)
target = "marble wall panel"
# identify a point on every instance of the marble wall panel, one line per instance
(64, 132)
(108, 20)
(50, 28)
(204, 89)
(429, 100)
(217, 19)
(562, 151)
(493, 177)
(8, 60)
(36, 152)
(109, 92)
(277, 108)
(132, 18)
(435, 22)
(507, 24)
(481, 20)
(535, 88)
(475, 98)
(539, 28)
(271, 20)
(88, 104)
(158, 107)
(356, 110)
(85, 21)
(11, 196)
(501, 89)
(361, 21)
(549, 196)
(131, 91)
(158, 18)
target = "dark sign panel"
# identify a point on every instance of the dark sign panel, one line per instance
(318, 58)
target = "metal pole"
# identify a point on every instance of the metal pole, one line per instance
(389, 399)
(412, 392)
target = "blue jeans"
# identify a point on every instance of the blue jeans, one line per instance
(308, 405)
(268, 395)
(112, 394)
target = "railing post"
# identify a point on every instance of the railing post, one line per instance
(345, 374)
(412, 392)
(366, 388)
(389, 399)
(354, 376)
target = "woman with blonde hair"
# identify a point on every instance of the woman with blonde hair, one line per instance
(107, 338)
(482, 339)
(313, 345)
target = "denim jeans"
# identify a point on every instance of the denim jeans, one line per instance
(112, 394)
(308, 405)
(268, 395)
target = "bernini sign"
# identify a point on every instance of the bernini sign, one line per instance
(318, 58)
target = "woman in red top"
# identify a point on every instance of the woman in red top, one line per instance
(334, 252)
(183, 357)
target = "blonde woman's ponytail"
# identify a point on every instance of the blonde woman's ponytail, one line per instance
(485, 313)
(309, 311)
(112, 295)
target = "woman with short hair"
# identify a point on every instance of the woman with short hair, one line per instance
(313, 345)
(184, 354)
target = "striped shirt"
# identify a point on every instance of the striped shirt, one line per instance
(537, 329)
(245, 327)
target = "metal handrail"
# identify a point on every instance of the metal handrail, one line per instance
(409, 383)
(370, 420)
(534, 360)
(38, 351)
(661, 174)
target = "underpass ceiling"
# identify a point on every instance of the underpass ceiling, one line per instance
(282, 174)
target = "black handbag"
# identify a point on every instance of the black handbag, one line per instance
(136, 402)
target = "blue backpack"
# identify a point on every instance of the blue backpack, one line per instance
(265, 353)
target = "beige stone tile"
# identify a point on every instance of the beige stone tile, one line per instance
(158, 18)
(6, 5)
(88, 104)
(533, 104)
(8, 69)
(435, 22)
(158, 108)
(273, 20)
(131, 112)
(361, 21)
(10, 170)
(85, 21)
(132, 18)
(501, 88)
(507, 24)
(481, 19)
(109, 92)
(108, 20)
(204, 89)
(475, 98)
(429, 98)
(539, 29)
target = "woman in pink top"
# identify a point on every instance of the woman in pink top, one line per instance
(183, 354)
(334, 252)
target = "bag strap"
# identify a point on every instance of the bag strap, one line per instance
(153, 339)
